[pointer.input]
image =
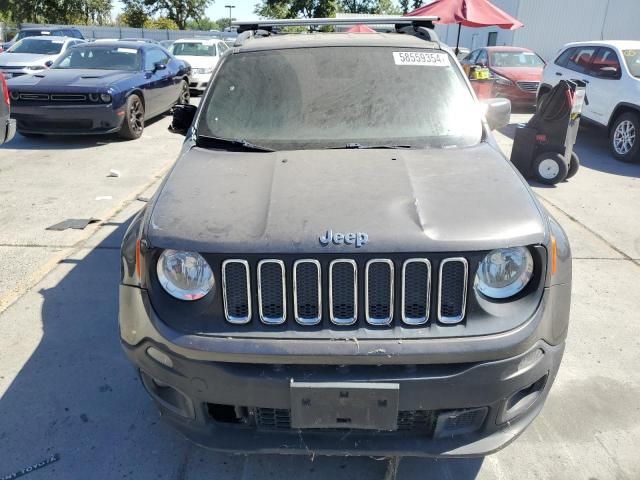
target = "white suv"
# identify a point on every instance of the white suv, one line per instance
(203, 55)
(611, 70)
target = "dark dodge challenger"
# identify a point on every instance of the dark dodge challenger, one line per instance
(342, 260)
(100, 88)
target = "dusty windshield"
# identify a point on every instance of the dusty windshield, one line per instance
(632, 57)
(327, 97)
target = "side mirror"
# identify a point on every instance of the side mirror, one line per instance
(159, 66)
(48, 63)
(498, 112)
(183, 116)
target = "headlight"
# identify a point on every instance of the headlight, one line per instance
(184, 275)
(500, 80)
(35, 67)
(105, 97)
(201, 71)
(504, 272)
(94, 97)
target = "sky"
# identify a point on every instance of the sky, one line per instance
(243, 10)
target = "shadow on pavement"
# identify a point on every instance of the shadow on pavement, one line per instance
(77, 396)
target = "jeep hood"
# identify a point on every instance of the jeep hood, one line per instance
(404, 200)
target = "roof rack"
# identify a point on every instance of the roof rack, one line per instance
(399, 22)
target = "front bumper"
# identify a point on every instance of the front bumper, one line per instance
(506, 377)
(515, 94)
(67, 119)
(508, 394)
(199, 81)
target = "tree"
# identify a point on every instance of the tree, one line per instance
(161, 23)
(404, 6)
(417, 3)
(180, 11)
(223, 23)
(203, 23)
(134, 15)
(358, 6)
(56, 11)
(386, 7)
(297, 8)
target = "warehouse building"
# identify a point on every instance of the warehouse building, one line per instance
(549, 24)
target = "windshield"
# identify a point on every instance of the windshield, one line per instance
(516, 59)
(39, 46)
(30, 33)
(193, 49)
(100, 58)
(632, 57)
(333, 96)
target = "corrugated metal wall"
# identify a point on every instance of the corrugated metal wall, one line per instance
(549, 24)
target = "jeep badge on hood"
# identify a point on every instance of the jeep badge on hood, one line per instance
(359, 239)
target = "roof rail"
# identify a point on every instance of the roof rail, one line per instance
(398, 21)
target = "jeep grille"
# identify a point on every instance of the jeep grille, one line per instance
(348, 291)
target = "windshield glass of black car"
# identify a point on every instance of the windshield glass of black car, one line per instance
(100, 58)
(311, 98)
(38, 46)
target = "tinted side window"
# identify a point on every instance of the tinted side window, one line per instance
(606, 64)
(564, 57)
(155, 56)
(471, 58)
(482, 59)
(581, 59)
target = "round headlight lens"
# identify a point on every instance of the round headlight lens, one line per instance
(184, 275)
(94, 97)
(504, 272)
(105, 97)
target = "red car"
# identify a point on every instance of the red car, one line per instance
(517, 71)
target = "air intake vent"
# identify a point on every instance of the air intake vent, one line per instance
(416, 291)
(307, 296)
(343, 292)
(452, 295)
(272, 300)
(236, 290)
(379, 291)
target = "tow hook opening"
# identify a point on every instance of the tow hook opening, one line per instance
(523, 399)
(227, 413)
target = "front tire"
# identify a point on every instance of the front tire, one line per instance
(550, 168)
(574, 165)
(185, 94)
(623, 139)
(133, 124)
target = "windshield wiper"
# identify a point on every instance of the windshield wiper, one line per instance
(349, 146)
(242, 145)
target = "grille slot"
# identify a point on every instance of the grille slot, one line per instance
(379, 291)
(343, 291)
(236, 291)
(531, 87)
(452, 294)
(416, 291)
(68, 97)
(272, 300)
(34, 96)
(307, 294)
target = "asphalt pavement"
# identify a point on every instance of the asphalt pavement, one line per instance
(68, 394)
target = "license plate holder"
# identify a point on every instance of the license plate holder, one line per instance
(347, 405)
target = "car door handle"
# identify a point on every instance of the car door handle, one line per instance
(558, 74)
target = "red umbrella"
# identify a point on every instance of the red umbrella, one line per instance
(470, 13)
(359, 28)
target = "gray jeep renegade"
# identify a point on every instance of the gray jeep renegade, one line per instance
(342, 261)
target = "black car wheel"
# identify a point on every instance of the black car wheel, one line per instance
(550, 168)
(574, 165)
(185, 94)
(133, 124)
(624, 141)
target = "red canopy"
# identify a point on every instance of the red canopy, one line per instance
(360, 28)
(470, 13)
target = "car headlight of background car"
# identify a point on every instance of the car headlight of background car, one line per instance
(503, 273)
(202, 71)
(184, 275)
(500, 80)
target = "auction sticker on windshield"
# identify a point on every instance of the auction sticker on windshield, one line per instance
(421, 58)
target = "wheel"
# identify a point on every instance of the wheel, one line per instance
(574, 165)
(185, 94)
(623, 139)
(133, 124)
(550, 168)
